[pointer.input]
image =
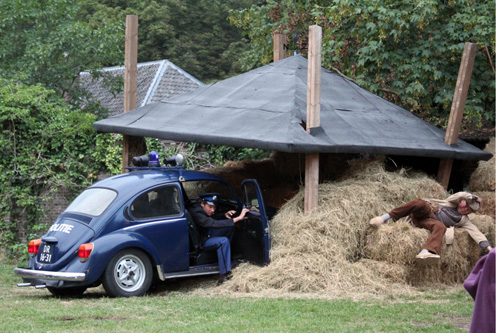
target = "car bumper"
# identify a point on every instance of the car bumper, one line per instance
(48, 275)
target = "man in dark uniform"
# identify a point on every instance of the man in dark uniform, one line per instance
(217, 232)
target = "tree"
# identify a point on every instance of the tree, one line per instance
(196, 35)
(44, 41)
(406, 51)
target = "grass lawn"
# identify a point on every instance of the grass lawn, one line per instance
(27, 309)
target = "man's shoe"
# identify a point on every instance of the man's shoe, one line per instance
(221, 279)
(229, 275)
(428, 258)
(377, 221)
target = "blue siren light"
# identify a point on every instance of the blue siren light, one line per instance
(154, 159)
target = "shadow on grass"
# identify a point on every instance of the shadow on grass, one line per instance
(159, 288)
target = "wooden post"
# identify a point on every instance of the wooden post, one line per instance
(131, 144)
(279, 47)
(457, 110)
(130, 84)
(313, 116)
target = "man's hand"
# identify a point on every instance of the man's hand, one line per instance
(229, 214)
(241, 216)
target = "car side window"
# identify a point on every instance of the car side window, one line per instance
(159, 202)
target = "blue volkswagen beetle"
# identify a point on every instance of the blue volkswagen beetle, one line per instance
(130, 230)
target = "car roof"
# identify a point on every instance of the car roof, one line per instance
(142, 178)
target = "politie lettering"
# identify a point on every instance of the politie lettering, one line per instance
(66, 228)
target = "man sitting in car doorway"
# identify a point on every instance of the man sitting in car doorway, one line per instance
(217, 232)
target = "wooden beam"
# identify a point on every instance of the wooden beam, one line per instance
(279, 47)
(313, 77)
(130, 84)
(130, 80)
(457, 109)
(311, 188)
(313, 116)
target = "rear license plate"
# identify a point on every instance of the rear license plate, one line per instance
(46, 253)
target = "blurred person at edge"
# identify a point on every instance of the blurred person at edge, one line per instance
(481, 286)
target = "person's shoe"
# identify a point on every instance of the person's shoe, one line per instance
(221, 279)
(377, 221)
(229, 275)
(428, 258)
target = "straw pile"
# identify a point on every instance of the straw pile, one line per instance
(399, 242)
(333, 252)
(483, 181)
(484, 177)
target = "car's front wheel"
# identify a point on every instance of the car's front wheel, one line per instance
(128, 273)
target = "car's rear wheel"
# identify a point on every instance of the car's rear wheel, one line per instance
(129, 273)
(67, 292)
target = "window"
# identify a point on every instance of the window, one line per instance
(160, 202)
(250, 197)
(92, 201)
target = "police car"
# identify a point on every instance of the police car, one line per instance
(128, 231)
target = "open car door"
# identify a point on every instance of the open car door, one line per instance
(255, 234)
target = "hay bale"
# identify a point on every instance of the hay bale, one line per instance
(394, 273)
(395, 243)
(333, 252)
(399, 242)
(319, 278)
(488, 204)
(486, 224)
(323, 252)
(484, 177)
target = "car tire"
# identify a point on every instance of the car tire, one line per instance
(67, 292)
(128, 273)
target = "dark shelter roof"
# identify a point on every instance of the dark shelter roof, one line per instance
(266, 108)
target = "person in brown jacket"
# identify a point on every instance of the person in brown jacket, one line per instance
(439, 217)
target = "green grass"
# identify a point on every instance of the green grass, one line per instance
(27, 309)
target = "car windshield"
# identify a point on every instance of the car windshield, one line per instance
(93, 201)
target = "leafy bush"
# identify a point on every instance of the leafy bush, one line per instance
(45, 147)
(202, 156)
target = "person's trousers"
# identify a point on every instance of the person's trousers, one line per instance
(221, 232)
(422, 216)
(223, 252)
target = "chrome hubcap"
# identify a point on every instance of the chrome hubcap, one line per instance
(130, 273)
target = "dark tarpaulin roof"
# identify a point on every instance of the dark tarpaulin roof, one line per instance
(266, 108)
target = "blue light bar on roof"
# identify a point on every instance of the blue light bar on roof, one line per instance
(154, 159)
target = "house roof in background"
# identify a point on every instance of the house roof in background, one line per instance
(266, 108)
(156, 80)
